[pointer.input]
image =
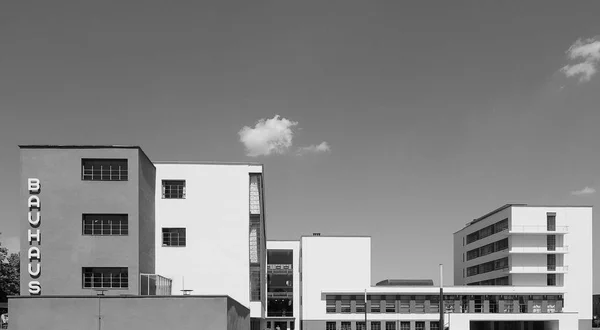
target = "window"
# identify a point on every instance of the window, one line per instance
(390, 304)
(173, 236)
(551, 242)
(551, 221)
(404, 325)
(419, 304)
(472, 254)
(360, 304)
(346, 326)
(501, 263)
(255, 277)
(105, 277)
(404, 304)
(551, 279)
(502, 244)
(502, 281)
(375, 325)
(487, 231)
(330, 308)
(105, 224)
(104, 169)
(419, 325)
(471, 271)
(434, 304)
(501, 226)
(486, 249)
(434, 325)
(173, 189)
(330, 326)
(472, 237)
(390, 325)
(345, 304)
(551, 258)
(361, 326)
(493, 304)
(375, 304)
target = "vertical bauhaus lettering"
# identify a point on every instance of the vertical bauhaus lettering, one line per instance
(34, 235)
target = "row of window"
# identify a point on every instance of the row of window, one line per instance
(493, 281)
(117, 170)
(452, 304)
(487, 231)
(497, 246)
(488, 267)
(376, 325)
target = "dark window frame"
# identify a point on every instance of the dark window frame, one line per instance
(168, 239)
(104, 169)
(108, 224)
(173, 189)
(96, 278)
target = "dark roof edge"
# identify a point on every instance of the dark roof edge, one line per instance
(339, 236)
(206, 163)
(77, 146)
(119, 296)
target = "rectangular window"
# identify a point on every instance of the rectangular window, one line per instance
(551, 279)
(105, 224)
(434, 325)
(173, 189)
(404, 325)
(551, 221)
(330, 326)
(390, 325)
(487, 231)
(501, 263)
(330, 308)
(434, 304)
(419, 325)
(104, 169)
(361, 326)
(404, 304)
(346, 326)
(173, 236)
(360, 304)
(472, 237)
(501, 245)
(501, 226)
(390, 304)
(486, 249)
(375, 325)
(551, 258)
(255, 291)
(346, 304)
(419, 304)
(375, 304)
(105, 277)
(472, 271)
(551, 242)
(472, 254)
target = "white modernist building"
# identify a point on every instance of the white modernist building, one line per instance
(518, 267)
(210, 231)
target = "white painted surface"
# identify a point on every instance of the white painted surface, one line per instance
(215, 213)
(332, 263)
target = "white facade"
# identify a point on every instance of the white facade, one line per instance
(529, 239)
(332, 263)
(215, 215)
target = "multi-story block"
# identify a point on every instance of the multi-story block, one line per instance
(523, 245)
(283, 285)
(90, 219)
(210, 231)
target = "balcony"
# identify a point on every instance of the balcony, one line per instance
(538, 229)
(279, 268)
(537, 269)
(539, 250)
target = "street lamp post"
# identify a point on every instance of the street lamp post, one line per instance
(442, 297)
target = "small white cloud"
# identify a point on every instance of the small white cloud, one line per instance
(584, 70)
(584, 191)
(320, 148)
(588, 51)
(268, 136)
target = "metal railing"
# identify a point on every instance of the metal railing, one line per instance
(538, 229)
(539, 249)
(538, 269)
(155, 285)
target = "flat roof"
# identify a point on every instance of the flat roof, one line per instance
(205, 162)
(77, 146)
(338, 236)
(505, 206)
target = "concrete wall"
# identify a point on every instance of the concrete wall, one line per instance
(332, 263)
(64, 198)
(215, 214)
(117, 313)
(147, 190)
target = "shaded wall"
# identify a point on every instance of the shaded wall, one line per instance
(131, 313)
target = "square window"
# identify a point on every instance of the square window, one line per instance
(173, 189)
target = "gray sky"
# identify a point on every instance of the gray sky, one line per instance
(435, 112)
